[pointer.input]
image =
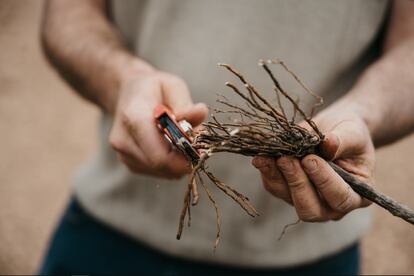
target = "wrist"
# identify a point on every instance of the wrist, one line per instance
(122, 69)
(354, 107)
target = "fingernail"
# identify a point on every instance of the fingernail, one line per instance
(310, 165)
(285, 163)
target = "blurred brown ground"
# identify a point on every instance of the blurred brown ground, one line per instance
(46, 132)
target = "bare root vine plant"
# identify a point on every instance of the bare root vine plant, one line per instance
(263, 129)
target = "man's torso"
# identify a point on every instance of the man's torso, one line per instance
(328, 43)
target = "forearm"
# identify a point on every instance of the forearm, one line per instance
(86, 49)
(384, 94)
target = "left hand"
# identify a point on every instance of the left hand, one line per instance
(311, 185)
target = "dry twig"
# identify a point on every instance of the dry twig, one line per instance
(265, 130)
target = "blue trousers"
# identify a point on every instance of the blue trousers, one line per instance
(83, 245)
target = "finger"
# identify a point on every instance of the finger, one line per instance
(343, 141)
(272, 178)
(121, 141)
(157, 150)
(267, 168)
(160, 154)
(336, 192)
(175, 93)
(118, 135)
(131, 163)
(177, 96)
(195, 115)
(305, 198)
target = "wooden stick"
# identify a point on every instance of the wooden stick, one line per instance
(367, 191)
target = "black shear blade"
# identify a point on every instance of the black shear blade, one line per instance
(179, 139)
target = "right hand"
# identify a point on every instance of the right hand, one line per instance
(134, 135)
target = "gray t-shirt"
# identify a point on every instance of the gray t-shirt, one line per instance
(328, 43)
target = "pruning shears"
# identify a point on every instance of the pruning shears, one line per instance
(177, 133)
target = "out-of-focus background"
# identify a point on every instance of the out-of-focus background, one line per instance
(46, 132)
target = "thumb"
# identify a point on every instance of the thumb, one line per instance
(176, 96)
(195, 115)
(344, 140)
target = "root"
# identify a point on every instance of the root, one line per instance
(262, 129)
(285, 228)
(218, 219)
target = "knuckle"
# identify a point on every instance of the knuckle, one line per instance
(127, 117)
(116, 142)
(113, 142)
(314, 214)
(337, 216)
(310, 217)
(133, 121)
(323, 183)
(297, 184)
(289, 174)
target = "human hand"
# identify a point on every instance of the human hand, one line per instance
(134, 134)
(311, 185)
